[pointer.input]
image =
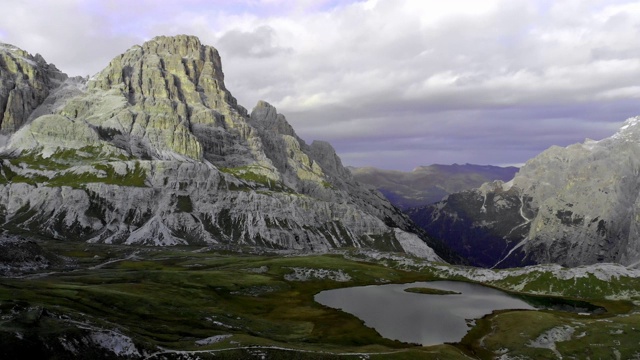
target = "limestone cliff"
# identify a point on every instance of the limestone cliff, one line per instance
(25, 82)
(155, 150)
(572, 206)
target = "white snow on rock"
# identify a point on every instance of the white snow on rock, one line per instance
(117, 343)
(219, 323)
(413, 245)
(306, 274)
(630, 122)
(625, 131)
(212, 340)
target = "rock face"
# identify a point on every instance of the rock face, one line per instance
(429, 184)
(25, 82)
(571, 206)
(155, 150)
(18, 255)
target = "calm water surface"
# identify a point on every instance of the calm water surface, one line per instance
(419, 318)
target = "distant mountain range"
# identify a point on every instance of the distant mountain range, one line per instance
(429, 184)
(570, 206)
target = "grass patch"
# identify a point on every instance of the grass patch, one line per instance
(430, 291)
(250, 176)
(37, 170)
(167, 297)
(184, 204)
(134, 177)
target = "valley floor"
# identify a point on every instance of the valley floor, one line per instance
(184, 303)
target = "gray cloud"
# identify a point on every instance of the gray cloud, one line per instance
(391, 83)
(64, 32)
(257, 43)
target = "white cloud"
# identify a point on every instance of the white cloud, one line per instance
(362, 71)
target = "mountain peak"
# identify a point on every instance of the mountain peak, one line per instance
(183, 45)
(182, 61)
(25, 83)
(155, 150)
(265, 116)
(629, 129)
(573, 205)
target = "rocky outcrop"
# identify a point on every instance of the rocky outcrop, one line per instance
(155, 150)
(25, 82)
(571, 206)
(426, 185)
(19, 255)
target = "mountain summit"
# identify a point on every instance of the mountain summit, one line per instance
(25, 82)
(155, 150)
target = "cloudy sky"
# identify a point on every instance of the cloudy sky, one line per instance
(390, 83)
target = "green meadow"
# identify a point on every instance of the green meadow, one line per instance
(173, 299)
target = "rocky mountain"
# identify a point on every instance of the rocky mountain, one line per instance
(571, 206)
(25, 82)
(155, 150)
(426, 185)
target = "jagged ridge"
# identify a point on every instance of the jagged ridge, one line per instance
(155, 150)
(25, 82)
(571, 206)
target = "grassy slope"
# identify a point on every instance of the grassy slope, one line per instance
(172, 297)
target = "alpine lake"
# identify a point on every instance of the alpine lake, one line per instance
(425, 313)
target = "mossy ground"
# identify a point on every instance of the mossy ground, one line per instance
(253, 179)
(38, 170)
(172, 297)
(430, 291)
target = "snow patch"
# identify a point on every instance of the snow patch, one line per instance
(212, 340)
(219, 323)
(630, 122)
(624, 132)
